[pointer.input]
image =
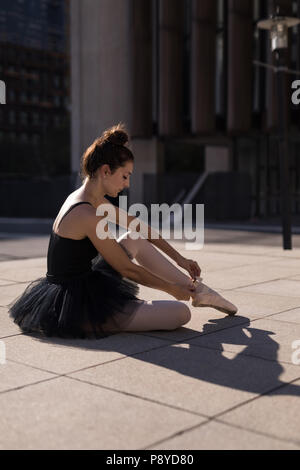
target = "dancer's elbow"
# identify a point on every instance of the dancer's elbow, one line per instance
(131, 271)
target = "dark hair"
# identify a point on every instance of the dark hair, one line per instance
(108, 149)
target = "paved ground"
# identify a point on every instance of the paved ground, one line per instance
(217, 383)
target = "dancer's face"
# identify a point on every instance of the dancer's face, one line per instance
(115, 182)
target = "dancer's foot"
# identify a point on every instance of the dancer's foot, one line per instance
(206, 297)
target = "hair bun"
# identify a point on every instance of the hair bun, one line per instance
(99, 153)
(116, 135)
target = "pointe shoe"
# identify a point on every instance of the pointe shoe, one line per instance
(206, 297)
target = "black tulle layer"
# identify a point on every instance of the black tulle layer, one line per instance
(96, 304)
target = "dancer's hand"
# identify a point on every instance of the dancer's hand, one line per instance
(190, 266)
(181, 292)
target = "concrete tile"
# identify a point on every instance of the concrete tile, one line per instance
(23, 270)
(244, 276)
(291, 316)
(238, 249)
(282, 287)
(5, 257)
(252, 246)
(193, 378)
(67, 414)
(219, 436)
(277, 414)
(62, 355)
(147, 293)
(23, 264)
(14, 375)
(263, 338)
(242, 246)
(5, 282)
(22, 275)
(259, 304)
(284, 261)
(295, 278)
(210, 261)
(11, 292)
(7, 326)
(25, 246)
(196, 378)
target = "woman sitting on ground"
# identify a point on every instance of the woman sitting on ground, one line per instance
(91, 286)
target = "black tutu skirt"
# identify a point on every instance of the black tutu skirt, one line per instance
(95, 304)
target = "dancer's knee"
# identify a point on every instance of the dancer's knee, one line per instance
(184, 314)
(181, 315)
(129, 246)
(134, 247)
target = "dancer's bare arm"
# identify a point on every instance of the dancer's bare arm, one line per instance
(123, 219)
(118, 259)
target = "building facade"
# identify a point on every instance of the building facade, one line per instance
(35, 66)
(184, 76)
(36, 24)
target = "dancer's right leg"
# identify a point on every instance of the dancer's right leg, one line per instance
(158, 314)
(153, 260)
(150, 258)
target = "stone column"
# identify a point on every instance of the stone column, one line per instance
(148, 160)
(141, 45)
(203, 58)
(76, 146)
(240, 68)
(101, 70)
(170, 66)
(111, 51)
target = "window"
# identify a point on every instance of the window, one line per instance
(24, 138)
(57, 101)
(12, 96)
(57, 121)
(56, 81)
(35, 119)
(35, 98)
(66, 82)
(12, 118)
(23, 97)
(23, 118)
(11, 69)
(36, 139)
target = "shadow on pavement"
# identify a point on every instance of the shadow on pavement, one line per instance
(249, 370)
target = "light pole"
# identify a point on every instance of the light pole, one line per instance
(278, 27)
